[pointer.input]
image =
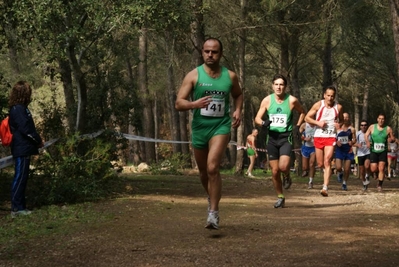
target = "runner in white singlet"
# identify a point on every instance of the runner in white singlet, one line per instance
(325, 114)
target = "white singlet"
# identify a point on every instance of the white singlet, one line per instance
(363, 150)
(329, 115)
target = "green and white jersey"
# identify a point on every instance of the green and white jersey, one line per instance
(280, 115)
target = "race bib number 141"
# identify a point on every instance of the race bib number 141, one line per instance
(214, 109)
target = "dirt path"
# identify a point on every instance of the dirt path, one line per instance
(165, 227)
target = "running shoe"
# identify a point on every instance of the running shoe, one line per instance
(304, 173)
(212, 222)
(25, 212)
(344, 187)
(251, 176)
(339, 177)
(324, 192)
(366, 182)
(287, 181)
(310, 185)
(365, 187)
(389, 178)
(280, 203)
(379, 188)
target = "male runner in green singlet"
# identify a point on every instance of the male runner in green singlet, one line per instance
(279, 107)
(211, 85)
(380, 136)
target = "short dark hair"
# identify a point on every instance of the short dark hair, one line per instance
(330, 87)
(214, 39)
(280, 76)
(364, 121)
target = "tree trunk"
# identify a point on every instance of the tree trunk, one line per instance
(10, 28)
(365, 103)
(395, 29)
(174, 125)
(133, 151)
(67, 84)
(80, 86)
(327, 61)
(241, 77)
(146, 99)
(295, 91)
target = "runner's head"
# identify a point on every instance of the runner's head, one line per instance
(381, 119)
(329, 95)
(279, 84)
(363, 125)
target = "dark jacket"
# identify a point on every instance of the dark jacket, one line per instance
(25, 139)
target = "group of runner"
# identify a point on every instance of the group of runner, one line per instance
(374, 149)
(206, 90)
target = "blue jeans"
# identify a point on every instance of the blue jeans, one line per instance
(19, 183)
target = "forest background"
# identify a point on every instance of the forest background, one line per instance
(117, 65)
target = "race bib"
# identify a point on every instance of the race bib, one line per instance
(278, 120)
(343, 139)
(329, 129)
(379, 146)
(363, 144)
(214, 109)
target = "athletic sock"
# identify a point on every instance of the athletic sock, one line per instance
(325, 187)
(280, 196)
(343, 182)
(310, 180)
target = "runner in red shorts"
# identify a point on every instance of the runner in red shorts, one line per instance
(325, 115)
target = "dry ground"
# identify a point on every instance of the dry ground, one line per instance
(164, 226)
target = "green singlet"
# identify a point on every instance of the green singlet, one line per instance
(280, 114)
(379, 139)
(215, 118)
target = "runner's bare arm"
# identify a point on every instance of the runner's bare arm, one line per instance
(367, 134)
(298, 107)
(182, 103)
(262, 110)
(310, 116)
(236, 93)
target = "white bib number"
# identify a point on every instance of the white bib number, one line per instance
(379, 146)
(278, 120)
(214, 109)
(343, 139)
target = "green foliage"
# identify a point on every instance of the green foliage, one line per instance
(171, 166)
(75, 169)
(51, 117)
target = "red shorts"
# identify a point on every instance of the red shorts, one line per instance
(321, 142)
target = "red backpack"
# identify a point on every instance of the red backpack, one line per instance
(5, 133)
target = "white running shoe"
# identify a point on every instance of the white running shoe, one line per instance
(212, 222)
(25, 212)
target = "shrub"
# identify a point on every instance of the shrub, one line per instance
(75, 169)
(172, 166)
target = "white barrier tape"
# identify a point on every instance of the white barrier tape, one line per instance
(257, 149)
(147, 139)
